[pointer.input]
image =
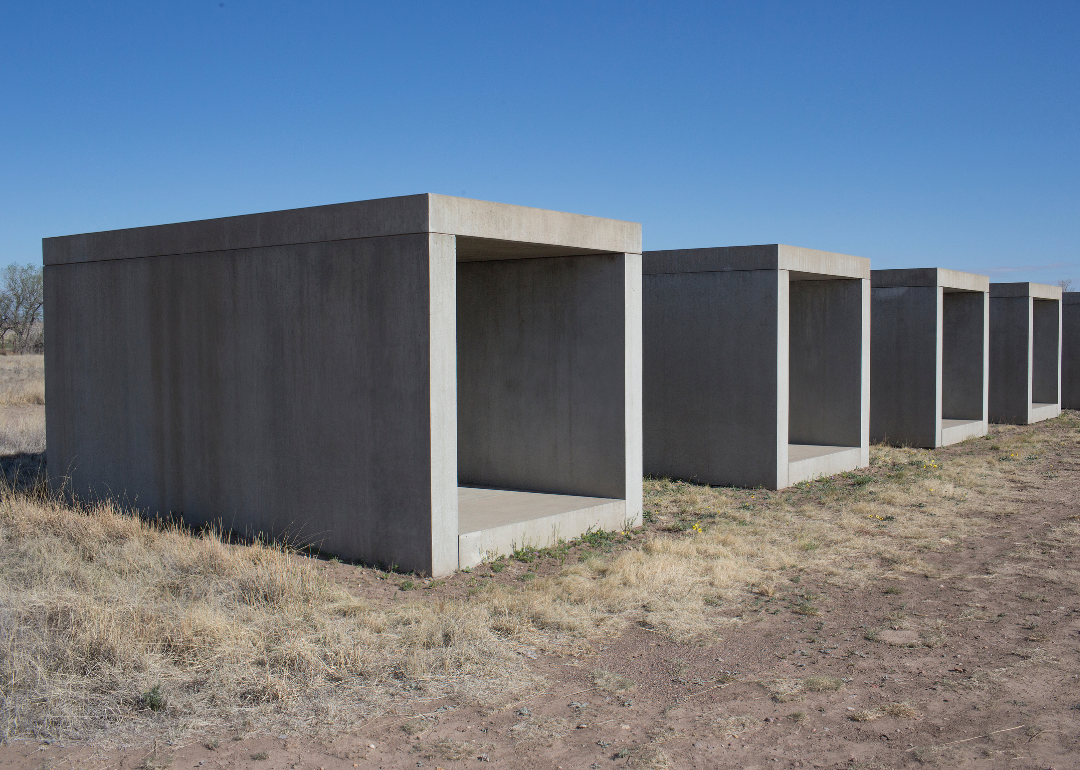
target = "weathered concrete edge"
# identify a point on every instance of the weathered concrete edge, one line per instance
(1023, 289)
(929, 276)
(776, 256)
(523, 224)
(376, 218)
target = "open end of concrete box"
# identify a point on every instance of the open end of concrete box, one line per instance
(756, 364)
(825, 391)
(541, 377)
(963, 365)
(930, 350)
(1025, 340)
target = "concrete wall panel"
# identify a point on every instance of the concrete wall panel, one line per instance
(906, 351)
(1010, 359)
(283, 390)
(711, 343)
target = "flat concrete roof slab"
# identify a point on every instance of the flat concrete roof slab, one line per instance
(807, 263)
(404, 215)
(929, 276)
(1022, 289)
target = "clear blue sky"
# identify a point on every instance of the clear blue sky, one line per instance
(915, 133)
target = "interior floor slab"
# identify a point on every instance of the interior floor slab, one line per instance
(809, 461)
(954, 431)
(494, 522)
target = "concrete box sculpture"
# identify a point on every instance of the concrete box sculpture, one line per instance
(1070, 350)
(756, 364)
(930, 356)
(416, 381)
(1025, 352)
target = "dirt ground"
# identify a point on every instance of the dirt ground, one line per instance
(973, 663)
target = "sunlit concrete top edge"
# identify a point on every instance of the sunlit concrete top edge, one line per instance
(404, 215)
(775, 256)
(929, 276)
(1024, 289)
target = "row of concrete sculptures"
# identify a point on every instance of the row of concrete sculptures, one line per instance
(425, 381)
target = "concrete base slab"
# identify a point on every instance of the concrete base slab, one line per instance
(954, 431)
(492, 522)
(1040, 412)
(809, 461)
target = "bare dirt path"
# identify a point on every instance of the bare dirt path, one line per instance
(975, 663)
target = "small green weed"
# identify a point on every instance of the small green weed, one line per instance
(154, 698)
(526, 554)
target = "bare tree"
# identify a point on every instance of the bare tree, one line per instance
(21, 299)
(1065, 283)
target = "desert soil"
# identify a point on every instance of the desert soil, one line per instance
(973, 664)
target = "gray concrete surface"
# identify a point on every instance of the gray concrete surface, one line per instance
(499, 521)
(1070, 350)
(756, 364)
(295, 374)
(929, 356)
(1025, 352)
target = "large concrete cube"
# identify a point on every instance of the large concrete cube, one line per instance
(1025, 352)
(418, 381)
(756, 364)
(929, 356)
(1070, 350)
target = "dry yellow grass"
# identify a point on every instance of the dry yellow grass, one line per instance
(22, 380)
(100, 607)
(22, 400)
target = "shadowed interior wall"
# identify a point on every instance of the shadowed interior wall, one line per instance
(825, 362)
(541, 374)
(904, 365)
(284, 390)
(963, 363)
(710, 395)
(1045, 338)
(1070, 350)
(1010, 382)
